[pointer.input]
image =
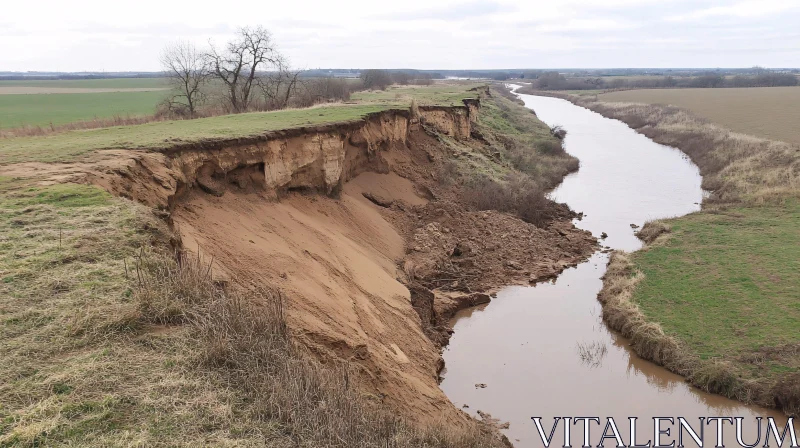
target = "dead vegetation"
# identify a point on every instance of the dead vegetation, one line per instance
(516, 194)
(295, 400)
(652, 230)
(592, 354)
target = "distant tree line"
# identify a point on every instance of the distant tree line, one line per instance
(551, 80)
(374, 79)
(248, 73)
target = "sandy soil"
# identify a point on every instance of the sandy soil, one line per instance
(336, 262)
(356, 270)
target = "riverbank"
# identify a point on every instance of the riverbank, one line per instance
(337, 219)
(688, 299)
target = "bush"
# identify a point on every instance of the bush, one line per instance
(376, 79)
(518, 194)
(549, 147)
(402, 78)
(323, 90)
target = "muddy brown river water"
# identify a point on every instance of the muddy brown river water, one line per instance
(526, 345)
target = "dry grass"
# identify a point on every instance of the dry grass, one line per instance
(592, 354)
(738, 168)
(242, 337)
(766, 112)
(100, 349)
(522, 140)
(652, 230)
(517, 194)
(518, 158)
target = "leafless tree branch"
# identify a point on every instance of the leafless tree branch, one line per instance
(187, 73)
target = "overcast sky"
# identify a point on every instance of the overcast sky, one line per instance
(84, 35)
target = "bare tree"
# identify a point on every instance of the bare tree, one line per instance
(185, 68)
(278, 86)
(237, 65)
(376, 79)
(402, 78)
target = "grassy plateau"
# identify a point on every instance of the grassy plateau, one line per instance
(440, 94)
(161, 135)
(727, 283)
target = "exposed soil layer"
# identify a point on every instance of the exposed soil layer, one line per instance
(373, 253)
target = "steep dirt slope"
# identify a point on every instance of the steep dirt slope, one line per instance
(336, 260)
(342, 262)
(373, 251)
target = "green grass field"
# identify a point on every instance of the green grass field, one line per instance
(64, 146)
(62, 108)
(159, 135)
(437, 94)
(727, 284)
(113, 83)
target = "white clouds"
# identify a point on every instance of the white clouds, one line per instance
(586, 25)
(125, 35)
(743, 9)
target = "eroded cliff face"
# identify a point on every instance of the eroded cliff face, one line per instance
(327, 215)
(318, 158)
(333, 253)
(454, 122)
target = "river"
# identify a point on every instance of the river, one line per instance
(526, 345)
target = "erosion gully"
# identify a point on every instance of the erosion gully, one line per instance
(526, 345)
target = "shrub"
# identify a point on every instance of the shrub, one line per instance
(518, 194)
(549, 147)
(402, 78)
(376, 79)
